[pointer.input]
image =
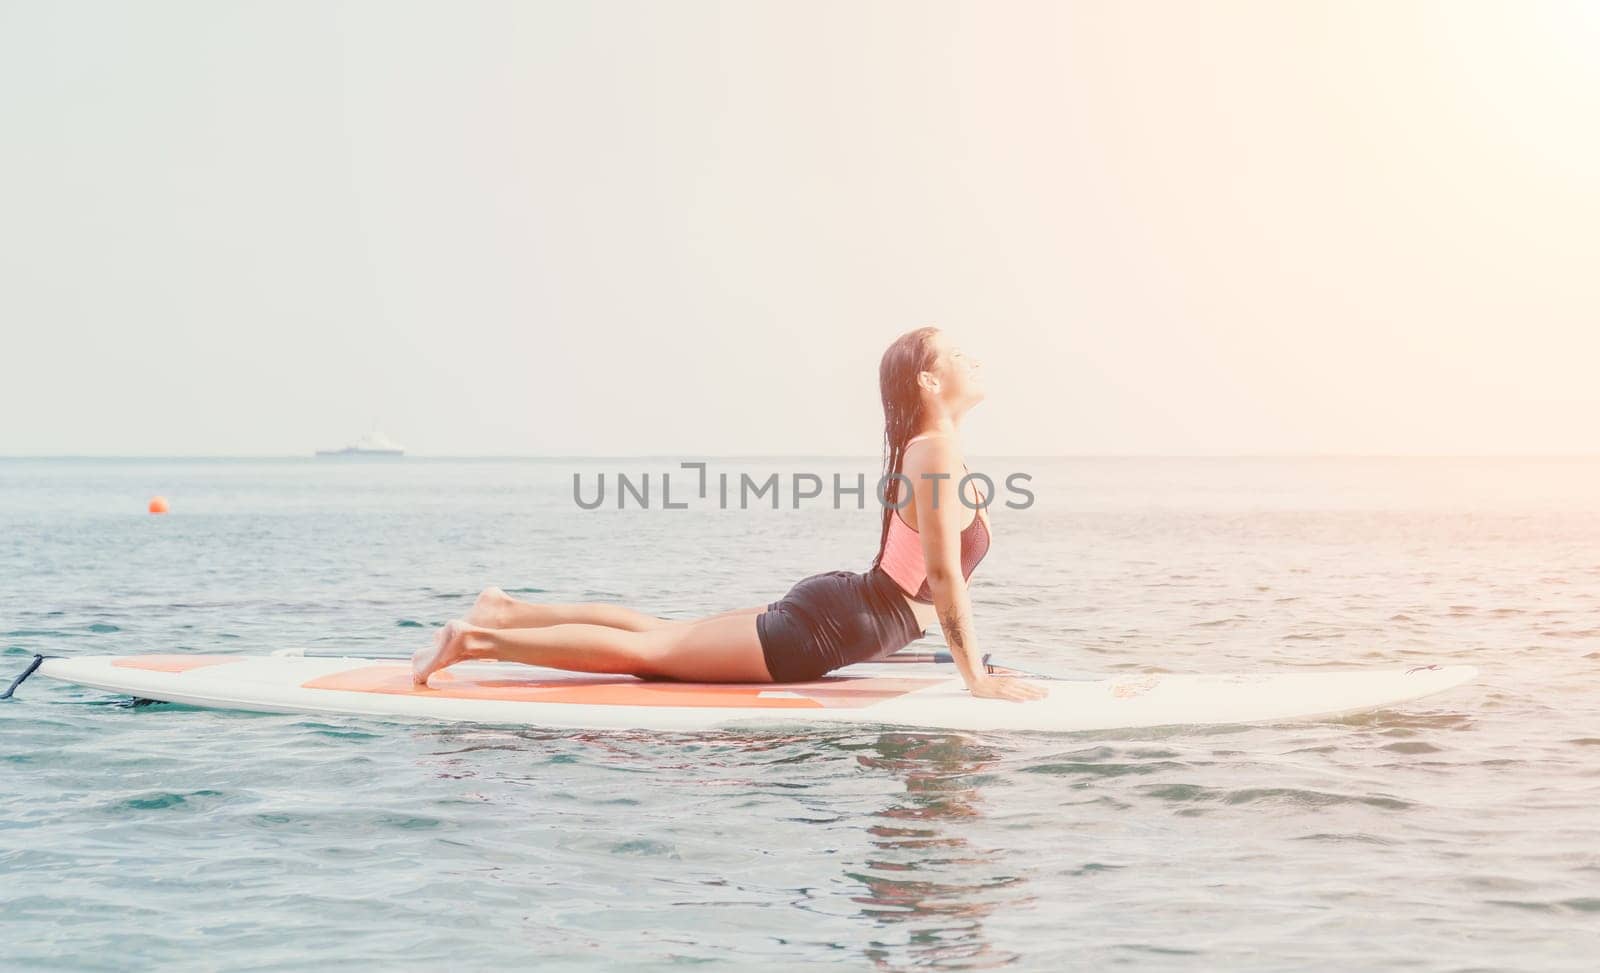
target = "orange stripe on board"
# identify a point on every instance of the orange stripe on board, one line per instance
(841, 692)
(173, 663)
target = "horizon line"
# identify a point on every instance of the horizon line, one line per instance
(310, 457)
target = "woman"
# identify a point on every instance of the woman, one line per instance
(926, 552)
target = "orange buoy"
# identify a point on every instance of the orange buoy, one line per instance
(158, 505)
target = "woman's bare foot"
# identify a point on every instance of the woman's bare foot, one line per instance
(447, 649)
(491, 609)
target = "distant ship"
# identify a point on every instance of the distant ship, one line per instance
(373, 443)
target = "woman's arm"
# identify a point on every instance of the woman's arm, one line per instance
(939, 516)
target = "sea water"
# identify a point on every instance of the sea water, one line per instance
(1456, 832)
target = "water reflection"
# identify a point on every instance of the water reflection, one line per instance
(932, 871)
(930, 876)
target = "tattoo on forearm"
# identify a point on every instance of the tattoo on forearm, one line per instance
(954, 623)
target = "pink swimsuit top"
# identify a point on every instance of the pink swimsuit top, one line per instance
(902, 553)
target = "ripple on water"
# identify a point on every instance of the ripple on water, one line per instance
(1412, 747)
(1107, 769)
(160, 800)
(1285, 796)
(1346, 838)
(1557, 906)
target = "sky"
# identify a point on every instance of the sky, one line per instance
(692, 228)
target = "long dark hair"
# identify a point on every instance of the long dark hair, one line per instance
(910, 354)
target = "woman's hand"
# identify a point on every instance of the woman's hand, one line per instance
(1006, 687)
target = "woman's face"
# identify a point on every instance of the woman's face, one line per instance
(960, 376)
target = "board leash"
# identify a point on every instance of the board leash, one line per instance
(942, 657)
(990, 665)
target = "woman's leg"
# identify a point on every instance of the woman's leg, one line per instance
(723, 648)
(496, 609)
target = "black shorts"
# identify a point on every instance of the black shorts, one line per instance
(832, 619)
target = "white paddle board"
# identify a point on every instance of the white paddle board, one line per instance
(921, 695)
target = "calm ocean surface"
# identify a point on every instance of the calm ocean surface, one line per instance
(1460, 832)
